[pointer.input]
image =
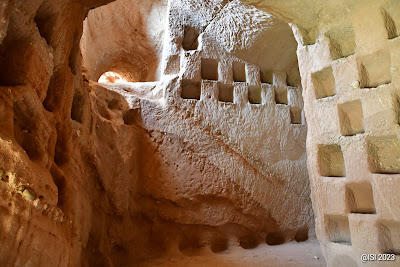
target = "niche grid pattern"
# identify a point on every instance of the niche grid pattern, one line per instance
(382, 152)
(191, 89)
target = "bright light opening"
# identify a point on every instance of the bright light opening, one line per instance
(112, 77)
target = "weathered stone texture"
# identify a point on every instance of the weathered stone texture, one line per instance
(211, 144)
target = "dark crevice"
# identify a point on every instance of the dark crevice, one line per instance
(60, 182)
(275, 238)
(301, 234)
(249, 242)
(219, 245)
(25, 130)
(43, 23)
(77, 107)
(74, 56)
(61, 150)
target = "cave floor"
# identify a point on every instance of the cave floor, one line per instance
(306, 253)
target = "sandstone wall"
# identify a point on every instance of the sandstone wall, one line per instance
(352, 144)
(59, 199)
(89, 177)
(125, 37)
(350, 67)
(224, 146)
(259, 123)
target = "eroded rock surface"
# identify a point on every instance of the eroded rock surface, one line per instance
(113, 174)
(125, 37)
(212, 152)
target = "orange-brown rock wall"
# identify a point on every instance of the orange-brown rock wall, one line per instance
(89, 177)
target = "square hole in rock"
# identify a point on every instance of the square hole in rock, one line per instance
(191, 90)
(384, 154)
(342, 41)
(293, 78)
(324, 83)
(190, 38)
(374, 69)
(331, 161)
(281, 95)
(239, 71)
(295, 115)
(254, 94)
(338, 229)
(225, 93)
(266, 77)
(360, 198)
(351, 118)
(389, 237)
(209, 69)
(390, 25)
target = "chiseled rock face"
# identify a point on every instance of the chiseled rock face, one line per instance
(222, 150)
(351, 79)
(93, 176)
(254, 36)
(213, 154)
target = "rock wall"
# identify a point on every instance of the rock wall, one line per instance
(258, 120)
(96, 176)
(350, 68)
(93, 175)
(59, 199)
(353, 143)
(224, 148)
(125, 37)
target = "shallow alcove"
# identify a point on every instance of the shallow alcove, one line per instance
(125, 37)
